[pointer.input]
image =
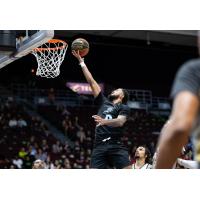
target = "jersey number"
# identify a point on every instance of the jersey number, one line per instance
(108, 117)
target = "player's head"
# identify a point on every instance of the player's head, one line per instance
(142, 152)
(121, 94)
(38, 164)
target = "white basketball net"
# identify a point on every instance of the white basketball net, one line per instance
(49, 57)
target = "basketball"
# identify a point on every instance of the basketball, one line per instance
(82, 45)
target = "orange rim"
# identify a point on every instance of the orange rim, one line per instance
(53, 41)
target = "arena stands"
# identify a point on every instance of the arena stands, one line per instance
(25, 138)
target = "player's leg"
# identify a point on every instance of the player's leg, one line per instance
(119, 157)
(98, 158)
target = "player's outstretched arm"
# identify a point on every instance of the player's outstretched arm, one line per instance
(175, 135)
(93, 84)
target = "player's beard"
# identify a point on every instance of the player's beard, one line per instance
(112, 97)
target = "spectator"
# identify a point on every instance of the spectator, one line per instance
(32, 151)
(77, 123)
(67, 164)
(65, 112)
(12, 123)
(21, 123)
(56, 148)
(45, 146)
(17, 162)
(49, 163)
(81, 134)
(39, 164)
(27, 163)
(22, 153)
(32, 140)
(41, 155)
(12, 167)
(57, 164)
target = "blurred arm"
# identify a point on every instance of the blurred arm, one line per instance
(175, 134)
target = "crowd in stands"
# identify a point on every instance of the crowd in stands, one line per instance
(25, 138)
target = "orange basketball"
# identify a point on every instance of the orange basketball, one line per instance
(82, 45)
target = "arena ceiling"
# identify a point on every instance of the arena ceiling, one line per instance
(175, 37)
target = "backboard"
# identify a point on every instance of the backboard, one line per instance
(14, 46)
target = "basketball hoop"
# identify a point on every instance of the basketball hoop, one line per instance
(49, 57)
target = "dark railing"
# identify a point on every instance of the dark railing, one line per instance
(139, 99)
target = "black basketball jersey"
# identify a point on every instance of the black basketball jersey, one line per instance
(188, 78)
(108, 110)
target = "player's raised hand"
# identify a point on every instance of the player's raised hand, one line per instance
(77, 55)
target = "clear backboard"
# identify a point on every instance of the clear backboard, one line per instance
(14, 45)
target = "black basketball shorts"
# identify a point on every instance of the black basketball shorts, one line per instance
(107, 155)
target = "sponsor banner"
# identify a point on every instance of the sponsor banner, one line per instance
(82, 88)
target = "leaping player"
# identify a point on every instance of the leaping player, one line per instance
(112, 115)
